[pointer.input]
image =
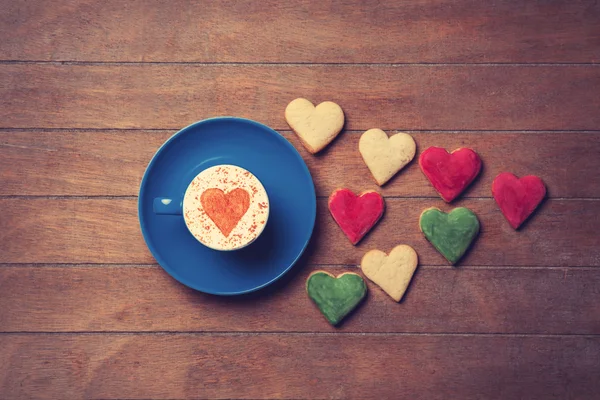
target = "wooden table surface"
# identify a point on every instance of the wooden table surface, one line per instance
(90, 89)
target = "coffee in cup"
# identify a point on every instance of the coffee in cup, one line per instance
(225, 207)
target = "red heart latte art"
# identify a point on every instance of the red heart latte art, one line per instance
(225, 210)
(225, 207)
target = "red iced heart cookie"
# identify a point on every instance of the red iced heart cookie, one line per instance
(450, 173)
(517, 198)
(225, 210)
(356, 215)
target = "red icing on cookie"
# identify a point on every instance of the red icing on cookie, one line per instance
(450, 173)
(517, 198)
(225, 210)
(356, 215)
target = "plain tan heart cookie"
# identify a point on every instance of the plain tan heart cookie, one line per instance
(391, 273)
(316, 126)
(386, 156)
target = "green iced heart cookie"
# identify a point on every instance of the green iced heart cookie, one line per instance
(451, 234)
(335, 297)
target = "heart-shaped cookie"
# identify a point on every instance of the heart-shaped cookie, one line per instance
(386, 156)
(391, 273)
(451, 234)
(518, 198)
(450, 173)
(335, 297)
(355, 215)
(315, 126)
(225, 210)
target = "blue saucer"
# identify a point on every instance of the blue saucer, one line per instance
(283, 173)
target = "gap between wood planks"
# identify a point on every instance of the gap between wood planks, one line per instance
(133, 197)
(287, 333)
(304, 64)
(288, 131)
(332, 266)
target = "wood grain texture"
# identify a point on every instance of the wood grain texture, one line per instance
(517, 81)
(92, 163)
(561, 233)
(349, 31)
(430, 97)
(440, 300)
(230, 366)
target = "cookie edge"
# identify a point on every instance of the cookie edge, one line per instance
(359, 195)
(364, 294)
(381, 184)
(307, 146)
(470, 244)
(451, 152)
(416, 265)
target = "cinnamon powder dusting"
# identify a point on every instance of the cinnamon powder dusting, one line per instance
(225, 210)
(226, 207)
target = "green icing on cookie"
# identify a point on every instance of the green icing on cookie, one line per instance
(335, 297)
(451, 234)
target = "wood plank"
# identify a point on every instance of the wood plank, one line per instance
(440, 300)
(298, 366)
(39, 230)
(430, 97)
(348, 31)
(101, 163)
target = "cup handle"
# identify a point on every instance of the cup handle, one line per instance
(167, 206)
